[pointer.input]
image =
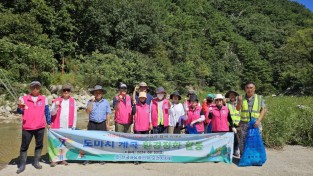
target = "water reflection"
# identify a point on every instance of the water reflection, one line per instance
(10, 140)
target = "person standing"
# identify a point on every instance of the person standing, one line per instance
(235, 115)
(141, 112)
(64, 113)
(143, 87)
(220, 116)
(195, 115)
(36, 115)
(99, 112)
(123, 107)
(160, 112)
(207, 103)
(176, 113)
(250, 105)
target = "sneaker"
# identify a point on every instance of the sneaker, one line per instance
(102, 163)
(136, 162)
(86, 162)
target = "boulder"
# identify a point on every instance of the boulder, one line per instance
(8, 108)
(54, 89)
(54, 96)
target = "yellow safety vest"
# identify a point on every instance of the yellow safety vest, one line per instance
(255, 112)
(235, 115)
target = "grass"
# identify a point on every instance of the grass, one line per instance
(289, 120)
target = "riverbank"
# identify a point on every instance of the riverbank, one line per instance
(290, 161)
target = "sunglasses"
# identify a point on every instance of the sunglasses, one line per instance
(35, 87)
(66, 90)
(219, 100)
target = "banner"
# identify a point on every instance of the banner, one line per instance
(65, 144)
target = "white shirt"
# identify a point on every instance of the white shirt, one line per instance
(64, 114)
(177, 112)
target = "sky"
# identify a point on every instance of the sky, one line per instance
(307, 3)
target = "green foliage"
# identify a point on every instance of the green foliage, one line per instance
(175, 44)
(24, 63)
(288, 121)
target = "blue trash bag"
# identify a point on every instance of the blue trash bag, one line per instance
(254, 152)
(192, 130)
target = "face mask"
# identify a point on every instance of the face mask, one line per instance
(160, 96)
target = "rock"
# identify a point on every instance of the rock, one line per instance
(75, 97)
(80, 105)
(2, 110)
(50, 97)
(54, 89)
(6, 113)
(82, 97)
(54, 96)
(8, 108)
(83, 92)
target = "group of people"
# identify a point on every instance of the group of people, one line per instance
(140, 113)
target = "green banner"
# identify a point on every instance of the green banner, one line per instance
(113, 146)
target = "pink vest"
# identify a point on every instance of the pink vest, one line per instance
(154, 112)
(55, 120)
(141, 119)
(194, 115)
(123, 114)
(34, 113)
(205, 109)
(219, 120)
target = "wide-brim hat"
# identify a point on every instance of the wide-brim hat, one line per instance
(160, 90)
(218, 96)
(176, 94)
(97, 87)
(193, 98)
(231, 91)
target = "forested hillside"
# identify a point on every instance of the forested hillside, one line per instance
(203, 43)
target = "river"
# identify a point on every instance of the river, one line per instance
(10, 140)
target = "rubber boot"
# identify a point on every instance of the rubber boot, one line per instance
(23, 158)
(37, 158)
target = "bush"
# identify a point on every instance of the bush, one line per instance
(288, 121)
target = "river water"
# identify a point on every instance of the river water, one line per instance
(10, 140)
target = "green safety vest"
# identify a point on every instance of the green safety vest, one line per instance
(235, 115)
(255, 112)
